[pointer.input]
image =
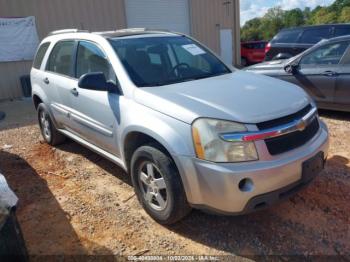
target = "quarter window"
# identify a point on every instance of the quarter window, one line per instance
(326, 55)
(40, 55)
(90, 59)
(60, 60)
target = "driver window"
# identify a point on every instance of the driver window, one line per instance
(90, 59)
(326, 55)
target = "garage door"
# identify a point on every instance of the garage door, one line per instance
(158, 14)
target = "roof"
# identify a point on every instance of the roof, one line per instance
(132, 32)
(314, 26)
(117, 33)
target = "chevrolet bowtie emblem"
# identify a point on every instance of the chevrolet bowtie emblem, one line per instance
(301, 125)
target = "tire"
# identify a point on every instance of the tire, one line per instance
(244, 62)
(169, 187)
(48, 129)
(12, 245)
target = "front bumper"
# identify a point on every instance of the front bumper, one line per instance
(216, 187)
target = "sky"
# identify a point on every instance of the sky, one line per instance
(257, 8)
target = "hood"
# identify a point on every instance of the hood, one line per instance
(270, 65)
(239, 96)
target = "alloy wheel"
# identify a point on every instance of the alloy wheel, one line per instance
(153, 186)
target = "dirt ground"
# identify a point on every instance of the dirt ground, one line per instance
(73, 201)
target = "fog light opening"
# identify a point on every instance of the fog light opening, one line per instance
(246, 185)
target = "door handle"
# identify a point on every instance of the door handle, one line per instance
(74, 91)
(329, 73)
(46, 80)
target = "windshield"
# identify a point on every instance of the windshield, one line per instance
(157, 61)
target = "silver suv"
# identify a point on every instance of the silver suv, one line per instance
(190, 130)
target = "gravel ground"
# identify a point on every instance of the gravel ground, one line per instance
(72, 201)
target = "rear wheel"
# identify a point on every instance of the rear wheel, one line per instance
(158, 186)
(48, 130)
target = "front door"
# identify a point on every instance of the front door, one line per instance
(95, 114)
(319, 70)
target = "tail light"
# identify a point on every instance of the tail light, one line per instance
(267, 48)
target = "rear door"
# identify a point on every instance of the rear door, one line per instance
(319, 70)
(94, 114)
(59, 79)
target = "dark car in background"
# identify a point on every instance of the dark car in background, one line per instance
(292, 41)
(323, 71)
(252, 52)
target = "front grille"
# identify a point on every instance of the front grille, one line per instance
(285, 143)
(285, 120)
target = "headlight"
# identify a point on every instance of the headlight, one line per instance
(209, 146)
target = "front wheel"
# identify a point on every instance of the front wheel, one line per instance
(158, 185)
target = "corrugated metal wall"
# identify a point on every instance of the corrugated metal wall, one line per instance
(52, 15)
(209, 16)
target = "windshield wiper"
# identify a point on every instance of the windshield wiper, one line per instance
(209, 75)
(182, 80)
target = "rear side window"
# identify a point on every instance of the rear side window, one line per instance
(340, 31)
(289, 36)
(313, 36)
(60, 60)
(40, 55)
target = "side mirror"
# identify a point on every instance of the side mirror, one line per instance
(291, 68)
(97, 81)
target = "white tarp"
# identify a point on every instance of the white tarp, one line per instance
(18, 39)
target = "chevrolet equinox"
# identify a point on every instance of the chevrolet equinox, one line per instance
(191, 131)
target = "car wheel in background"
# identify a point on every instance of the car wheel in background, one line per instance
(48, 130)
(244, 62)
(158, 185)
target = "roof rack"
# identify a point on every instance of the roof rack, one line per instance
(133, 30)
(66, 31)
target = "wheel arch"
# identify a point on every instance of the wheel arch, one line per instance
(135, 139)
(36, 100)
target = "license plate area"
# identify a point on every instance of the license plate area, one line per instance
(312, 167)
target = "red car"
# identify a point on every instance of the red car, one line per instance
(252, 52)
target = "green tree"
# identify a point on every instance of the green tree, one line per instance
(252, 30)
(294, 17)
(325, 16)
(345, 15)
(272, 22)
(307, 15)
